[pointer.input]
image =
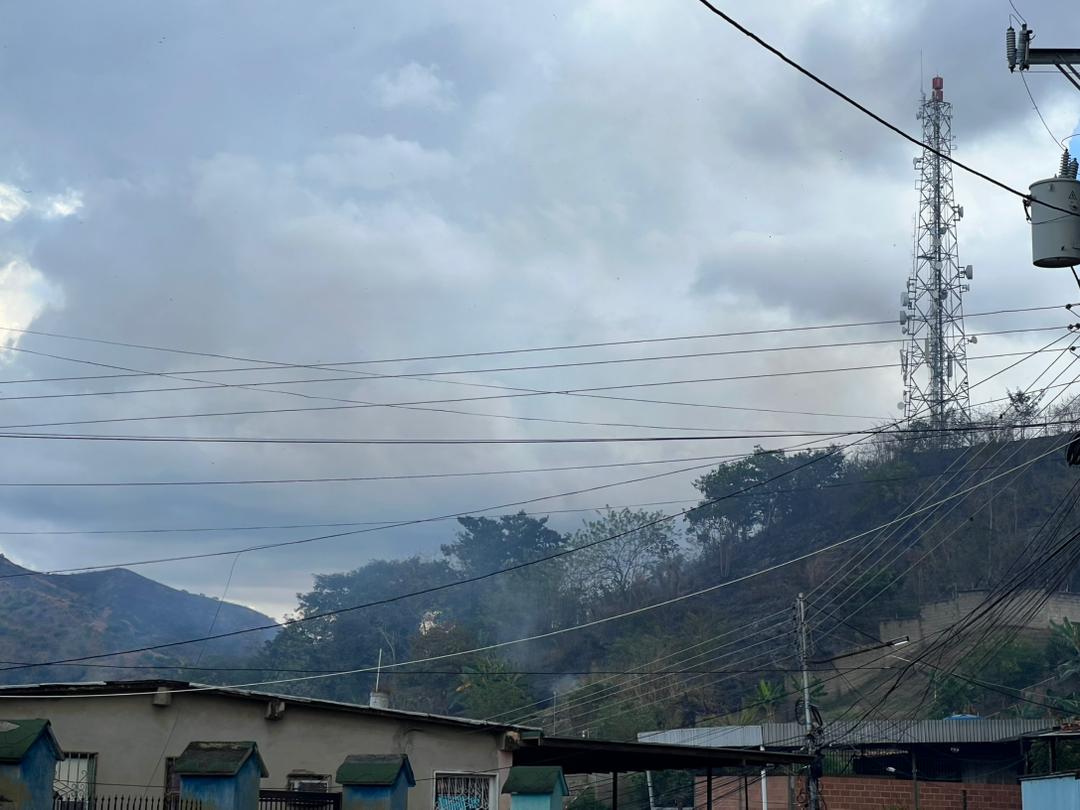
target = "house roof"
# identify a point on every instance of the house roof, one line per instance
(18, 736)
(854, 733)
(576, 755)
(374, 769)
(535, 779)
(152, 687)
(217, 758)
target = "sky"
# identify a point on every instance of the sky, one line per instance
(300, 183)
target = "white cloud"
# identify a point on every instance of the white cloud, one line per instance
(24, 294)
(377, 163)
(415, 85)
(63, 205)
(13, 203)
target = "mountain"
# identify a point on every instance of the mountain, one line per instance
(46, 617)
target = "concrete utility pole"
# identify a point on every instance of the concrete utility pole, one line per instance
(802, 639)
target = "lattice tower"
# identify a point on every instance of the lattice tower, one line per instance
(933, 360)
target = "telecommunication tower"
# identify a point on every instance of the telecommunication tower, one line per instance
(933, 360)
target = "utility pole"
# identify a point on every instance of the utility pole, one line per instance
(933, 360)
(802, 639)
(1020, 55)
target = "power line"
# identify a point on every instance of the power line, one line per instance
(453, 442)
(519, 566)
(496, 352)
(868, 112)
(465, 474)
(525, 392)
(361, 404)
(1038, 112)
(430, 373)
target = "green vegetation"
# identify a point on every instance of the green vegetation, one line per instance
(758, 511)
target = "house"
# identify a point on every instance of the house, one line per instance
(969, 762)
(123, 737)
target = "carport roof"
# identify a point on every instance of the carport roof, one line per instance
(601, 756)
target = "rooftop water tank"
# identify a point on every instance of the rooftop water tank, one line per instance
(1055, 232)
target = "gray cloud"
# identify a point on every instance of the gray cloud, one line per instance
(312, 185)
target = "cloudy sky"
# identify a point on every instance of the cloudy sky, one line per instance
(320, 183)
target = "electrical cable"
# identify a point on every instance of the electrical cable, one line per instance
(497, 352)
(870, 113)
(451, 475)
(1038, 112)
(428, 374)
(523, 392)
(457, 441)
(498, 645)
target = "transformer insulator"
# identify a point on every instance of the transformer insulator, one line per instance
(1074, 167)
(1023, 45)
(1010, 47)
(1063, 167)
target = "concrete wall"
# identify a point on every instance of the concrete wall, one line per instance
(939, 615)
(132, 738)
(27, 785)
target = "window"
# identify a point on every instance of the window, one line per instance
(74, 780)
(307, 782)
(463, 791)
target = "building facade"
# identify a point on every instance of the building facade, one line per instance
(123, 737)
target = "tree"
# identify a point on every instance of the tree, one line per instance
(487, 544)
(487, 689)
(619, 554)
(517, 603)
(353, 639)
(1021, 410)
(1069, 633)
(755, 494)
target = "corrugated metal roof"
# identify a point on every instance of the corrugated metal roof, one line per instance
(885, 732)
(708, 736)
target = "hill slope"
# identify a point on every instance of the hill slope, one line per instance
(49, 616)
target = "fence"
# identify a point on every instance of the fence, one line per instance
(125, 803)
(298, 800)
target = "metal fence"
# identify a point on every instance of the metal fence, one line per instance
(125, 803)
(298, 800)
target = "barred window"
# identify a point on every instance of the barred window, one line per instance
(464, 791)
(74, 779)
(308, 782)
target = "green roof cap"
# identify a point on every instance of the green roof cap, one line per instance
(535, 779)
(374, 769)
(217, 758)
(18, 736)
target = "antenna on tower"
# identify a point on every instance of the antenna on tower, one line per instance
(934, 362)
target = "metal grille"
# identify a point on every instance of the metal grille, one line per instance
(75, 777)
(298, 800)
(125, 803)
(462, 792)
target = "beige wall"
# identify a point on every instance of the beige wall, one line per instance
(132, 737)
(937, 616)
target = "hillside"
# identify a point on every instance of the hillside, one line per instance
(44, 617)
(871, 536)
